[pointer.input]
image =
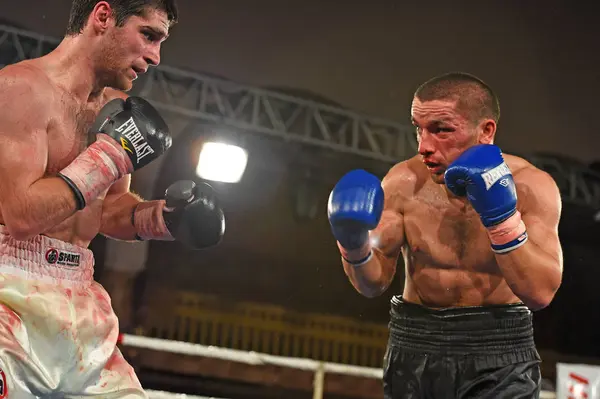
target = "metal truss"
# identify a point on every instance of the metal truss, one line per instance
(293, 119)
(287, 117)
(578, 184)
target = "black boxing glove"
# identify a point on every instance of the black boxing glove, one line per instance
(190, 214)
(137, 127)
(130, 134)
(193, 215)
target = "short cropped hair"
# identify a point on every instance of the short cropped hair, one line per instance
(81, 10)
(475, 99)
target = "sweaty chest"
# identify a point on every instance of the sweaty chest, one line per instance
(68, 134)
(444, 234)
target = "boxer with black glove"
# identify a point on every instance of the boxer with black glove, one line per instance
(59, 190)
(131, 134)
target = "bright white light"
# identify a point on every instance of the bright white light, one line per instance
(222, 162)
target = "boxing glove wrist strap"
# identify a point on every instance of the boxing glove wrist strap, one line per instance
(357, 257)
(361, 261)
(95, 170)
(508, 235)
(149, 222)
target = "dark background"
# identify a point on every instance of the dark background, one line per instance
(540, 57)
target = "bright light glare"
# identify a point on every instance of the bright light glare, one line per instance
(222, 162)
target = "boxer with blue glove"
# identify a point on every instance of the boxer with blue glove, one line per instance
(478, 233)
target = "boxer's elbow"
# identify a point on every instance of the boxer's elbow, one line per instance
(542, 297)
(537, 303)
(373, 291)
(18, 221)
(373, 278)
(370, 287)
(19, 228)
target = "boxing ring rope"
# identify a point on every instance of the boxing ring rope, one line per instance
(170, 395)
(253, 358)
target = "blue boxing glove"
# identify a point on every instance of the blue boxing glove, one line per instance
(354, 208)
(481, 175)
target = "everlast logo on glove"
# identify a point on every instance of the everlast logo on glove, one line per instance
(131, 137)
(137, 127)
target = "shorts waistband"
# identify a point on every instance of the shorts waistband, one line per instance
(491, 329)
(45, 258)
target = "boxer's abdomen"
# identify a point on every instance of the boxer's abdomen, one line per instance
(439, 288)
(438, 277)
(447, 254)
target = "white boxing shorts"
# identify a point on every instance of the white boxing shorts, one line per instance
(58, 331)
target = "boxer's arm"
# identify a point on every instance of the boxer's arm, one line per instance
(128, 217)
(534, 270)
(375, 276)
(117, 208)
(119, 201)
(31, 203)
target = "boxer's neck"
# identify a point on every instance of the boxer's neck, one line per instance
(72, 64)
(454, 199)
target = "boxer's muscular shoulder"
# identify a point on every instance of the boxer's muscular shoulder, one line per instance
(401, 182)
(26, 81)
(524, 171)
(404, 176)
(515, 163)
(25, 74)
(532, 182)
(26, 86)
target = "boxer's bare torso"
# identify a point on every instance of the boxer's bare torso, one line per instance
(446, 250)
(67, 119)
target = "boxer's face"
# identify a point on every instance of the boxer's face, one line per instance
(130, 49)
(442, 133)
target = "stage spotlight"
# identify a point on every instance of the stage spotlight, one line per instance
(222, 162)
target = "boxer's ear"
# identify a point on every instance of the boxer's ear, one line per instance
(101, 16)
(487, 131)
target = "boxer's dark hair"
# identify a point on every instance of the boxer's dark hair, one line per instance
(81, 10)
(475, 98)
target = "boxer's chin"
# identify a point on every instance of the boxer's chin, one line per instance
(121, 81)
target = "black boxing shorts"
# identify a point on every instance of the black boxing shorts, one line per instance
(483, 352)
